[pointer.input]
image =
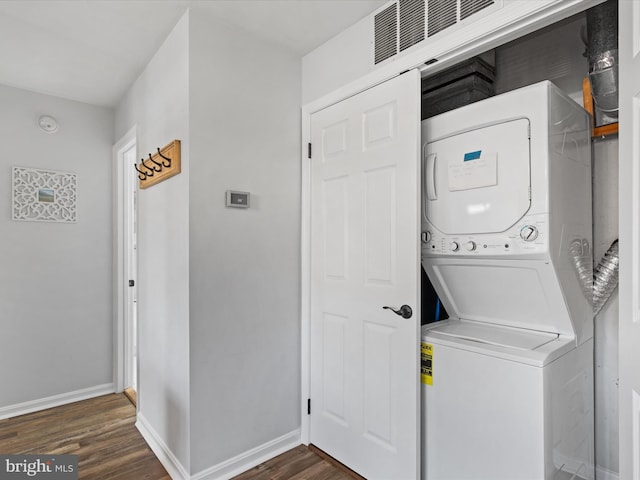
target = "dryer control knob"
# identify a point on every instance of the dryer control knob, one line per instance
(426, 236)
(470, 245)
(454, 246)
(529, 233)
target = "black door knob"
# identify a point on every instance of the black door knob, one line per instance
(404, 311)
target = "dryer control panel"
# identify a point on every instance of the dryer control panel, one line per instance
(528, 237)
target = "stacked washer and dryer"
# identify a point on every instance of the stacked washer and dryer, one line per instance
(508, 378)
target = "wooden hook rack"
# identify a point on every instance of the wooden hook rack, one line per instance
(159, 166)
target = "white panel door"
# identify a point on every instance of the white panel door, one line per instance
(629, 322)
(365, 202)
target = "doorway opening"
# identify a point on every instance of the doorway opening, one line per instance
(131, 274)
(126, 354)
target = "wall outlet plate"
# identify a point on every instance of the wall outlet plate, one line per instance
(238, 199)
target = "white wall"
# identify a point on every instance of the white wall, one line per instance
(158, 103)
(605, 231)
(55, 279)
(245, 264)
(219, 288)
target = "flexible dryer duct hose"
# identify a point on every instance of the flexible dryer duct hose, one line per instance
(583, 264)
(596, 285)
(602, 53)
(605, 278)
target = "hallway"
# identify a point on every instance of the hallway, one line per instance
(101, 432)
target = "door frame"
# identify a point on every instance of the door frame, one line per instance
(501, 30)
(629, 253)
(120, 245)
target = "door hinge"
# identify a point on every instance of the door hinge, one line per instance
(308, 406)
(309, 150)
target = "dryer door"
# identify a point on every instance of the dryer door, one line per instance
(478, 181)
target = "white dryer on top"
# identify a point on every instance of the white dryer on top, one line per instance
(506, 196)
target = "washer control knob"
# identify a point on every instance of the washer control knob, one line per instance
(470, 245)
(426, 236)
(454, 246)
(529, 233)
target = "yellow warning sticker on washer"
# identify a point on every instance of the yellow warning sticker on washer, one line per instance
(426, 363)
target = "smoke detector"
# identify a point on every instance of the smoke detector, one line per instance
(48, 123)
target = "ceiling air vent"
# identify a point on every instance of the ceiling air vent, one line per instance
(469, 7)
(440, 15)
(411, 23)
(402, 24)
(386, 33)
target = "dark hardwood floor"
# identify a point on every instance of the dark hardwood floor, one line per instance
(101, 432)
(300, 463)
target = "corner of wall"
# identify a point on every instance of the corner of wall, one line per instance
(158, 103)
(244, 264)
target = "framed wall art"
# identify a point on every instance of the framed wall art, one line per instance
(43, 195)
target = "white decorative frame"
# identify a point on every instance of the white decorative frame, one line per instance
(44, 195)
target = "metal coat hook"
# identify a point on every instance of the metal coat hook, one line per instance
(158, 166)
(150, 173)
(165, 158)
(143, 175)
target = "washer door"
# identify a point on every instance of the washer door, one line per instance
(478, 181)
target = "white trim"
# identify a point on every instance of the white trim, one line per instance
(634, 262)
(119, 305)
(530, 22)
(635, 433)
(55, 400)
(224, 470)
(168, 460)
(305, 279)
(629, 236)
(247, 460)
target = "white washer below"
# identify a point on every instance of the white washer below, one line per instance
(506, 404)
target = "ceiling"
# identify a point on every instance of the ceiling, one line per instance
(92, 50)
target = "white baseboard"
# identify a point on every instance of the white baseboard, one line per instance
(224, 470)
(247, 460)
(168, 460)
(605, 474)
(55, 400)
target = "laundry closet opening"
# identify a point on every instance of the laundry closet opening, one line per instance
(557, 54)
